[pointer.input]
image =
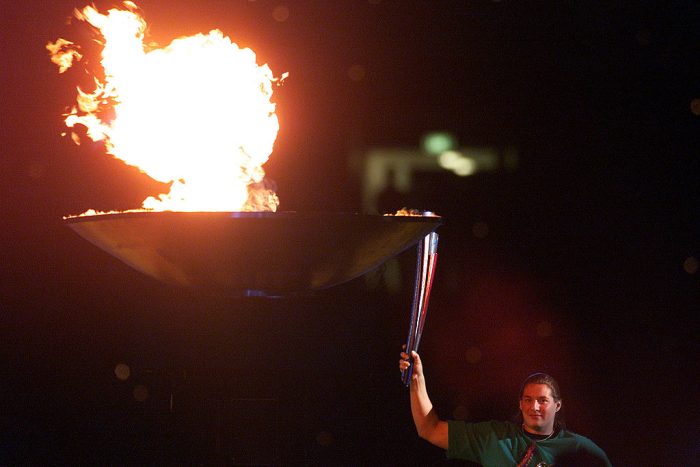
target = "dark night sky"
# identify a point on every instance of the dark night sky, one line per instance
(588, 236)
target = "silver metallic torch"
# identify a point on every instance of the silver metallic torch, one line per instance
(425, 271)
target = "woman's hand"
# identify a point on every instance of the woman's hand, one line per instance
(405, 362)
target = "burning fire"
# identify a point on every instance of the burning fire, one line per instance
(196, 114)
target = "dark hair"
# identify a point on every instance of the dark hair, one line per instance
(543, 378)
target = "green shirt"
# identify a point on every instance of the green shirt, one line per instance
(498, 444)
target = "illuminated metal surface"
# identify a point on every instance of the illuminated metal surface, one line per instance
(425, 272)
(253, 253)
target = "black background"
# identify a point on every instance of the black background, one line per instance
(589, 235)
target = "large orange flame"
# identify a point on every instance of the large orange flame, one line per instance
(196, 113)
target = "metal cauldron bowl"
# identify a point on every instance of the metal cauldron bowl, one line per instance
(253, 253)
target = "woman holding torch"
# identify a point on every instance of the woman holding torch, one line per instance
(540, 439)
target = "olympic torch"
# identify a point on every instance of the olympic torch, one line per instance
(425, 271)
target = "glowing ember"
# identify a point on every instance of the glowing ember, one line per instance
(412, 213)
(196, 113)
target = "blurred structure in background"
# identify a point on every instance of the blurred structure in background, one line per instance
(389, 172)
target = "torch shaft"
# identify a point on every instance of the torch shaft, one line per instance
(415, 303)
(428, 287)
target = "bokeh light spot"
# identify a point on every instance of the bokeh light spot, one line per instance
(448, 159)
(324, 438)
(457, 163)
(280, 13)
(690, 265)
(356, 72)
(480, 229)
(473, 355)
(465, 166)
(695, 106)
(140, 393)
(437, 142)
(122, 371)
(36, 170)
(544, 329)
